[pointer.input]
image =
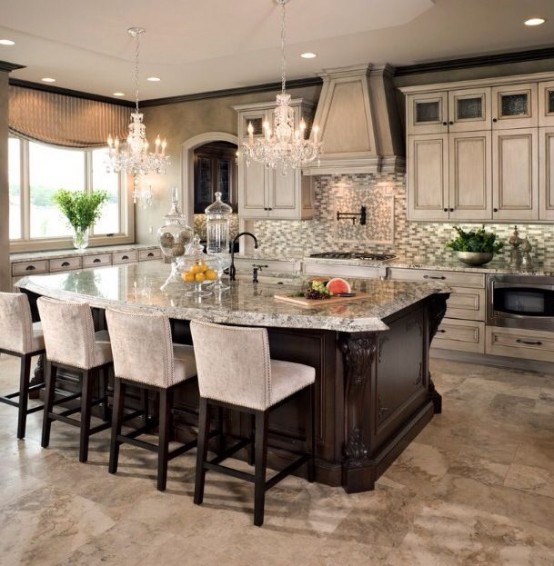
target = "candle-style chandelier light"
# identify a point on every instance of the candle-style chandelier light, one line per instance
(284, 145)
(133, 155)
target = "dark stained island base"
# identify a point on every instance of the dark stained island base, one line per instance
(374, 390)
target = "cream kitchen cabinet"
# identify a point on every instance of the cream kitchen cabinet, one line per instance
(546, 103)
(546, 172)
(265, 193)
(463, 326)
(449, 176)
(514, 106)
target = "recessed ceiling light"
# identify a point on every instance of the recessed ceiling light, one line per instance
(154, 79)
(119, 94)
(48, 80)
(7, 42)
(534, 21)
(308, 55)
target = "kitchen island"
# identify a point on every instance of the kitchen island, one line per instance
(374, 392)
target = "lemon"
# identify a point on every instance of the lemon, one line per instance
(188, 276)
(195, 268)
(211, 275)
(199, 277)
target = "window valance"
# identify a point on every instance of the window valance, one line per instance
(64, 120)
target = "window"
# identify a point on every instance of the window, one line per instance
(37, 171)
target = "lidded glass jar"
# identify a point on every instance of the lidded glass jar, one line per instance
(218, 217)
(174, 236)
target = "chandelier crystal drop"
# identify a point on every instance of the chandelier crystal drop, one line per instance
(133, 155)
(284, 145)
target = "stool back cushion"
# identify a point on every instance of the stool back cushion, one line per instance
(16, 323)
(233, 364)
(142, 347)
(68, 332)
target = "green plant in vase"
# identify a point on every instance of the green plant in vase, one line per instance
(475, 247)
(81, 209)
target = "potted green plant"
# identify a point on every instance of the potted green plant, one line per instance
(81, 209)
(475, 247)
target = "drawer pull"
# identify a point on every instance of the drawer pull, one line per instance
(150, 254)
(97, 260)
(124, 257)
(529, 342)
(65, 264)
(434, 277)
(30, 268)
(441, 330)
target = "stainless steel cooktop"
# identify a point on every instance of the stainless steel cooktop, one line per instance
(354, 255)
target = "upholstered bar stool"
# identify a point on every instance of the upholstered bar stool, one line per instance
(235, 371)
(20, 337)
(145, 357)
(72, 343)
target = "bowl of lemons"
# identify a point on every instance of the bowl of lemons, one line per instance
(197, 272)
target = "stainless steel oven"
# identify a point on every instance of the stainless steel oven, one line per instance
(520, 301)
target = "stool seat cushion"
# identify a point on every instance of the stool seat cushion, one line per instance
(184, 362)
(287, 378)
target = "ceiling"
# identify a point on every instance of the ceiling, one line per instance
(196, 47)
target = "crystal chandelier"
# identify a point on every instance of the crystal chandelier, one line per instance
(133, 156)
(284, 145)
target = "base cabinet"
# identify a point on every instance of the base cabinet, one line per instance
(518, 343)
(460, 335)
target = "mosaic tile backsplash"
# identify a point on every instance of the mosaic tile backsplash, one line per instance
(387, 228)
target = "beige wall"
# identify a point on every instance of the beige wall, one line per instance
(5, 282)
(180, 122)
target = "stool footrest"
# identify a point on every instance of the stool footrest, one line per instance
(229, 451)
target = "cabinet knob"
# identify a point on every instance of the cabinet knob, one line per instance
(445, 123)
(269, 209)
(495, 209)
(124, 257)
(97, 260)
(30, 268)
(451, 210)
(495, 120)
(149, 254)
(446, 210)
(451, 123)
(65, 264)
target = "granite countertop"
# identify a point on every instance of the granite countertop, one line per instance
(143, 286)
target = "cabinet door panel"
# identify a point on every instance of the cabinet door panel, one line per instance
(283, 192)
(546, 176)
(470, 176)
(252, 188)
(546, 103)
(427, 113)
(469, 110)
(515, 175)
(427, 177)
(514, 106)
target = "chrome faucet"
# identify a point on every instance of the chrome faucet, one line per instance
(232, 270)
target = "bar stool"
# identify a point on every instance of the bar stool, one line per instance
(145, 357)
(235, 371)
(20, 337)
(73, 344)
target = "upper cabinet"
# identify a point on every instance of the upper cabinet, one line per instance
(481, 151)
(265, 193)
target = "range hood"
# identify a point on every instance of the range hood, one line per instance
(359, 123)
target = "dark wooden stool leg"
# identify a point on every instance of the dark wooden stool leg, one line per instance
(220, 447)
(250, 448)
(104, 380)
(50, 388)
(86, 400)
(311, 461)
(164, 431)
(144, 403)
(24, 374)
(260, 466)
(201, 450)
(117, 420)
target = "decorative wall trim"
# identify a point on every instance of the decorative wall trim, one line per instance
(5, 66)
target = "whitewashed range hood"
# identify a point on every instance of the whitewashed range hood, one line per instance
(358, 119)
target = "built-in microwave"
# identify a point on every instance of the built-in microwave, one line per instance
(520, 301)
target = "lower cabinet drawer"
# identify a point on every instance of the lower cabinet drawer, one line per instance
(460, 335)
(125, 257)
(466, 303)
(97, 260)
(526, 344)
(147, 255)
(66, 263)
(30, 267)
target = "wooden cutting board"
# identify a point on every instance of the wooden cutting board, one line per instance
(312, 303)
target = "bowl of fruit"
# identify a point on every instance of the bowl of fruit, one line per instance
(197, 271)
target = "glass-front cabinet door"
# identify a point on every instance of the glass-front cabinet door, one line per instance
(546, 103)
(469, 110)
(514, 106)
(427, 113)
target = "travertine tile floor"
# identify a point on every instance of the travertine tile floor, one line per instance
(476, 487)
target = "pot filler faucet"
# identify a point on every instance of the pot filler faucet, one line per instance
(232, 270)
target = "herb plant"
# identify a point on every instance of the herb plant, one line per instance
(81, 209)
(478, 240)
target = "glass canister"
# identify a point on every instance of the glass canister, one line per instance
(174, 236)
(218, 217)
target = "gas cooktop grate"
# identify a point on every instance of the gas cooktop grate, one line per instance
(354, 255)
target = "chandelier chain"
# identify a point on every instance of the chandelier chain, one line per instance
(283, 53)
(137, 33)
